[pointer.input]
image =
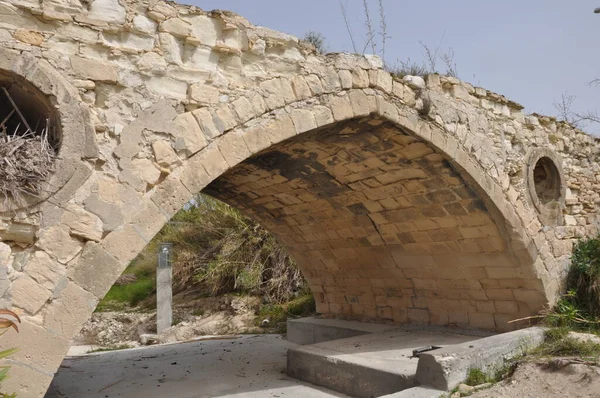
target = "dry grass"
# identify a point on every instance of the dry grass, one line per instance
(218, 248)
(26, 156)
(215, 250)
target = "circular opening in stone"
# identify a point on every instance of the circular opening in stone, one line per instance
(29, 137)
(546, 180)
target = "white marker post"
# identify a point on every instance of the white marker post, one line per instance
(164, 289)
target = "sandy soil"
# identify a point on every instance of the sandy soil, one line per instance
(531, 380)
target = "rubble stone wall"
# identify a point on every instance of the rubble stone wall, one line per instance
(404, 200)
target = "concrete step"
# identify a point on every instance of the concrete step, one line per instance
(369, 365)
(317, 330)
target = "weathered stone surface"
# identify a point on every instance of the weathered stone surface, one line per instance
(44, 270)
(29, 37)
(65, 314)
(58, 243)
(5, 253)
(94, 70)
(176, 27)
(204, 95)
(82, 223)
(164, 154)
(28, 294)
(189, 137)
(96, 280)
(109, 213)
(110, 11)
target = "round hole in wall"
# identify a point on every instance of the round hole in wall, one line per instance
(546, 180)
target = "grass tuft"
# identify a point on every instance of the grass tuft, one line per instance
(557, 342)
(476, 376)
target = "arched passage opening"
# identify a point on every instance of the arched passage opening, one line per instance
(385, 227)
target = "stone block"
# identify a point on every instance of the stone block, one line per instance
(301, 88)
(28, 294)
(340, 107)
(44, 270)
(66, 314)
(164, 155)
(58, 243)
(256, 139)
(95, 269)
(360, 103)
(175, 26)
(233, 147)
(149, 220)
(244, 109)
(189, 137)
(94, 70)
(82, 223)
(281, 129)
(304, 120)
(207, 124)
(204, 94)
(29, 37)
(172, 194)
(124, 244)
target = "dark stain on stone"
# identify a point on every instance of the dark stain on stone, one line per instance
(359, 209)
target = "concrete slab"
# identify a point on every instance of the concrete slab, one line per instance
(445, 368)
(234, 367)
(368, 365)
(417, 392)
(317, 330)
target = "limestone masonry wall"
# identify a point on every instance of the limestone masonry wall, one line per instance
(404, 200)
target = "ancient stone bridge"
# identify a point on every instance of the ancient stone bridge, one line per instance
(405, 200)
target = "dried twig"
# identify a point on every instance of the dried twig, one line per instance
(347, 23)
(16, 108)
(370, 32)
(383, 27)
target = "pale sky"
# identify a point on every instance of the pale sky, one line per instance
(531, 51)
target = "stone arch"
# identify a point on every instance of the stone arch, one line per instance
(211, 163)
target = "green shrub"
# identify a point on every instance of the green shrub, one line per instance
(584, 276)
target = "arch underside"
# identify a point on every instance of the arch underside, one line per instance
(384, 227)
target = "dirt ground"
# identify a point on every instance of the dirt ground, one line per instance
(531, 380)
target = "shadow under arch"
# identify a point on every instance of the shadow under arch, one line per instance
(391, 223)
